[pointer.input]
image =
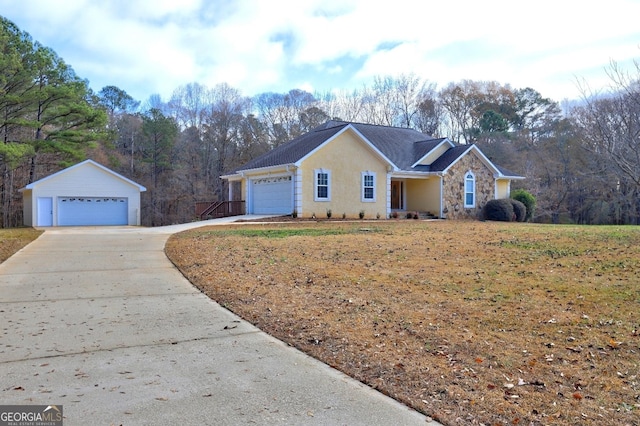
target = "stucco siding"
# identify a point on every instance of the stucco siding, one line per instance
(453, 188)
(503, 188)
(346, 157)
(423, 195)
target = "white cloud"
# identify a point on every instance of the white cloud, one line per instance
(154, 46)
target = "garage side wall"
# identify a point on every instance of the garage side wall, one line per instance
(88, 181)
(27, 207)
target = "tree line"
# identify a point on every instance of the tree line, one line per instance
(582, 163)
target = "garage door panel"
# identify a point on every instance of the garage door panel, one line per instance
(89, 211)
(273, 195)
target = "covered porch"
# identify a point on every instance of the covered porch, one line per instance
(416, 194)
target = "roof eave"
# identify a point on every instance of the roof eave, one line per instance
(260, 170)
(414, 175)
(483, 158)
(509, 177)
(89, 161)
(445, 140)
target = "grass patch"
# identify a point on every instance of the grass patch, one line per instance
(12, 240)
(468, 322)
(286, 232)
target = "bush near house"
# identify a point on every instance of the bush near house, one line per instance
(520, 210)
(527, 199)
(499, 210)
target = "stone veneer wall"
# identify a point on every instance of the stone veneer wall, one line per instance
(453, 188)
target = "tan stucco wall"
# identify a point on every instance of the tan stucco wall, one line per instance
(453, 188)
(346, 156)
(423, 195)
(503, 188)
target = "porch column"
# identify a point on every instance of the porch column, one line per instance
(388, 195)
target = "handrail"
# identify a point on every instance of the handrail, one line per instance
(220, 209)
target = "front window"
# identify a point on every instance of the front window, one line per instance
(322, 185)
(469, 190)
(368, 186)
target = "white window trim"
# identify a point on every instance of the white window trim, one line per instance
(473, 179)
(315, 185)
(362, 197)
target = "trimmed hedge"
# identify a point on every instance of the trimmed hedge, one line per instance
(501, 210)
(505, 210)
(519, 209)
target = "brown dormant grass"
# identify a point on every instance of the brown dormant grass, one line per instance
(468, 322)
(12, 240)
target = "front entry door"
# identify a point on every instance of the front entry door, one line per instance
(45, 211)
(397, 195)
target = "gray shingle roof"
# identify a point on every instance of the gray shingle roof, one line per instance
(396, 143)
(508, 173)
(403, 147)
(446, 159)
(295, 149)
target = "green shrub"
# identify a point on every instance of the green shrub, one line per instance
(527, 199)
(519, 209)
(501, 210)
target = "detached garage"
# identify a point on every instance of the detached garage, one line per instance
(87, 194)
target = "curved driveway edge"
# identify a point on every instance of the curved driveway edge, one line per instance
(99, 320)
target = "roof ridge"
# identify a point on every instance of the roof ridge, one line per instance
(429, 140)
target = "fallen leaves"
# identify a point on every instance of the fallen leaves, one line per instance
(443, 316)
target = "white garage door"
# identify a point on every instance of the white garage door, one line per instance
(273, 195)
(83, 211)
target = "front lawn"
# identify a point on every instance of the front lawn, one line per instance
(468, 322)
(13, 239)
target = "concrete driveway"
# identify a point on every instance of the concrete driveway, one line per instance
(99, 321)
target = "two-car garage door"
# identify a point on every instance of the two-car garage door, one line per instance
(272, 195)
(87, 211)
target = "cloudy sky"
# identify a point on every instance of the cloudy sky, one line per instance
(154, 46)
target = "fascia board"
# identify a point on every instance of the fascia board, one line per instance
(446, 140)
(262, 170)
(414, 175)
(483, 158)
